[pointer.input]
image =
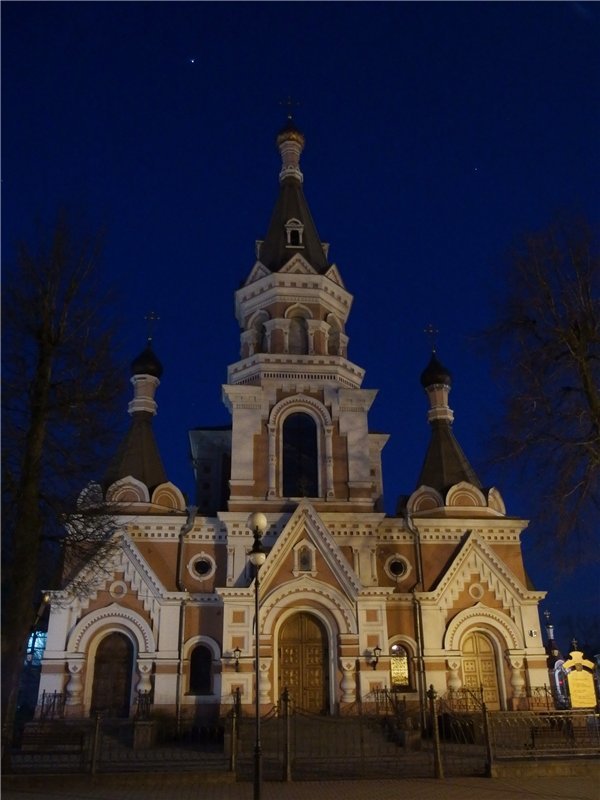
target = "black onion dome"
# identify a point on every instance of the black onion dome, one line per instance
(435, 372)
(147, 363)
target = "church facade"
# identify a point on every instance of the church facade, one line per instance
(351, 600)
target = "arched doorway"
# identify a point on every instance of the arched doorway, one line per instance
(303, 662)
(113, 667)
(479, 668)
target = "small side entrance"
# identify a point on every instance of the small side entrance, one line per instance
(111, 690)
(479, 668)
(303, 662)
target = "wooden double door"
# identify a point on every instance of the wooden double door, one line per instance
(479, 668)
(304, 662)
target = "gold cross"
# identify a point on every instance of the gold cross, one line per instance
(151, 318)
(431, 331)
(290, 103)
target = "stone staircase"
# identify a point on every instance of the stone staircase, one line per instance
(327, 748)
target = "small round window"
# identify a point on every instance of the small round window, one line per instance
(201, 567)
(397, 567)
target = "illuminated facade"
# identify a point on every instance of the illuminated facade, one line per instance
(351, 600)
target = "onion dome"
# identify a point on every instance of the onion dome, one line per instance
(147, 363)
(435, 373)
(290, 143)
(290, 132)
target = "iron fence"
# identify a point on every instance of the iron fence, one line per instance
(528, 735)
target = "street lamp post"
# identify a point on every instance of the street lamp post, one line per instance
(258, 524)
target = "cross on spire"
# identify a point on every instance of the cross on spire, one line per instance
(431, 332)
(290, 103)
(151, 318)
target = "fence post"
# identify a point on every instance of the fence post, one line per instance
(487, 736)
(438, 768)
(287, 744)
(96, 743)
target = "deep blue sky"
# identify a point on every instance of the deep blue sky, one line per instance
(436, 133)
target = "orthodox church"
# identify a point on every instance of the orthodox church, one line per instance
(350, 600)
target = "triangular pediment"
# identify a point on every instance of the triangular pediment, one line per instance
(477, 562)
(128, 562)
(258, 271)
(297, 265)
(333, 274)
(306, 550)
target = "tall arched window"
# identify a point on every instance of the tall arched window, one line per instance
(298, 336)
(258, 324)
(300, 468)
(399, 668)
(200, 670)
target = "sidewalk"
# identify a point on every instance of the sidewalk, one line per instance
(191, 787)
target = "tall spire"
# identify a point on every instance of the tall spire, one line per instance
(445, 463)
(292, 229)
(138, 454)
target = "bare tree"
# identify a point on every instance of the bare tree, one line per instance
(61, 385)
(546, 343)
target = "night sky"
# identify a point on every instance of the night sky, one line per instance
(435, 135)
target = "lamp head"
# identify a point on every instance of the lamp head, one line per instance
(257, 522)
(257, 555)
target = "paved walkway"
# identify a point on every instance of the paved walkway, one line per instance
(190, 787)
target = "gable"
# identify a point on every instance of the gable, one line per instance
(333, 274)
(297, 265)
(306, 536)
(476, 562)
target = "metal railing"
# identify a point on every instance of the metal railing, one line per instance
(52, 705)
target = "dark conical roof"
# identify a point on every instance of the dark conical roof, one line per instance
(435, 372)
(138, 455)
(445, 463)
(275, 251)
(147, 363)
(291, 204)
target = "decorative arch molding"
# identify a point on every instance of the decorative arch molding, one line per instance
(168, 495)
(298, 310)
(257, 319)
(114, 615)
(300, 403)
(496, 501)
(405, 641)
(128, 490)
(465, 494)
(425, 498)
(470, 618)
(206, 641)
(290, 596)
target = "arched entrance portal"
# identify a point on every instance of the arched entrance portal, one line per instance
(479, 668)
(113, 666)
(303, 662)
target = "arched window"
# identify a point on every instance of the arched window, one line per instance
(258, 324)
(304, 560)
(333, 340)
(200, 670)
(300, 469)
(399, 668)
(298, 336)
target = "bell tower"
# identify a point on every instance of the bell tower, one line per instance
(299, 414)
